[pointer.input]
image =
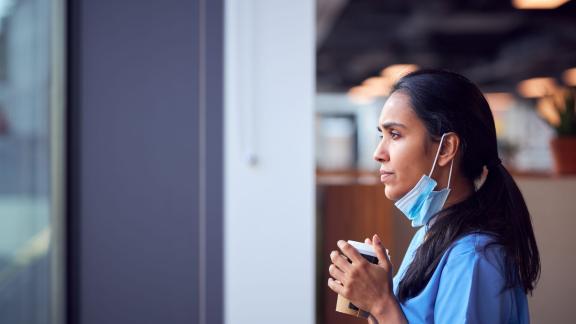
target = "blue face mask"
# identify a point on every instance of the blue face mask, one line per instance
(421, 203)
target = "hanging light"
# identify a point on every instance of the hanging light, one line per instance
(499, 101)
(379, 86)
(537, 87)
(396, 71)
(538, 4)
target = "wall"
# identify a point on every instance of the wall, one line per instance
(269, 162)
(552, 208)
(145, 165)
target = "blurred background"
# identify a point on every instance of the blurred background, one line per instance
(195, 161)
(522, 54)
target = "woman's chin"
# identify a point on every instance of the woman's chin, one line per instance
(389, 193)
(392, 193)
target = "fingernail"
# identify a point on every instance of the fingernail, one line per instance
(340, 243)
(377, 239)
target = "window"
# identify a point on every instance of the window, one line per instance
(31, 150)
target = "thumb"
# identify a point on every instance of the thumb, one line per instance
(381, 252)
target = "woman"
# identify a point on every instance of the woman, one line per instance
(475, 258)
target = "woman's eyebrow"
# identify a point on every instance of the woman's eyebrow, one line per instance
(391, 124)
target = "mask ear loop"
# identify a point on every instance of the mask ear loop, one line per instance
(437, 154)
(450, 174)
(436, 160)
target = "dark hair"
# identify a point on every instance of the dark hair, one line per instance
(448, 102)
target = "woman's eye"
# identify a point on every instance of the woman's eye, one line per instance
(393, 135)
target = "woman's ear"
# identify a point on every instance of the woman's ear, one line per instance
(449, 149)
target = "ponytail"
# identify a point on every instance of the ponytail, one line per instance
(505, 204)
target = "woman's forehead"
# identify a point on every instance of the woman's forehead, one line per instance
(397, 109)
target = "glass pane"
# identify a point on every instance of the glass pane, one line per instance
(28, 222)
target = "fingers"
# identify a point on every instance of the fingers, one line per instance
(340, 261)
(335, 285)
(336, 273)
(368, 241)
(381, 252)
(349, 251)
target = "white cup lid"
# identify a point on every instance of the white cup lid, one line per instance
(363, 248)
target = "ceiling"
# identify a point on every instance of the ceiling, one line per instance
(489, 41)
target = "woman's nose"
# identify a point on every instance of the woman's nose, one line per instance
(381, 154)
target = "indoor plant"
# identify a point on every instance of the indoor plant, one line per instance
(561, 114)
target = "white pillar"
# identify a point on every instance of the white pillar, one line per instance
(269, 162)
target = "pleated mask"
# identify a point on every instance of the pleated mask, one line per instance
(422, 203)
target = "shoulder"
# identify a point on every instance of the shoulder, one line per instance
(472, 283)
(478, 248)
(476, 242)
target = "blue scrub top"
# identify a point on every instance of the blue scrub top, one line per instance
(466, 287)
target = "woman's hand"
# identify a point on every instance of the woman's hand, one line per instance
(366, 285)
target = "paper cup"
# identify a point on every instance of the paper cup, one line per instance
(343, 305)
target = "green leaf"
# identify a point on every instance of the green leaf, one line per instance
(567, 112)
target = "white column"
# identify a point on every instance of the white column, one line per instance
(269, 167)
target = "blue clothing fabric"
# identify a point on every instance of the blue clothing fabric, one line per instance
(466, 287)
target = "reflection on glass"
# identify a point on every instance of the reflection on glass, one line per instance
(26, 214)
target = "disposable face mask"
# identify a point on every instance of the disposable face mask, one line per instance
(421, 203)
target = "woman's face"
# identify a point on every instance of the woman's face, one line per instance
(405, 152)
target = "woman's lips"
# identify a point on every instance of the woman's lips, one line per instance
(385, 176)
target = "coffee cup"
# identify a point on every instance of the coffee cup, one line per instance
(343, 305)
